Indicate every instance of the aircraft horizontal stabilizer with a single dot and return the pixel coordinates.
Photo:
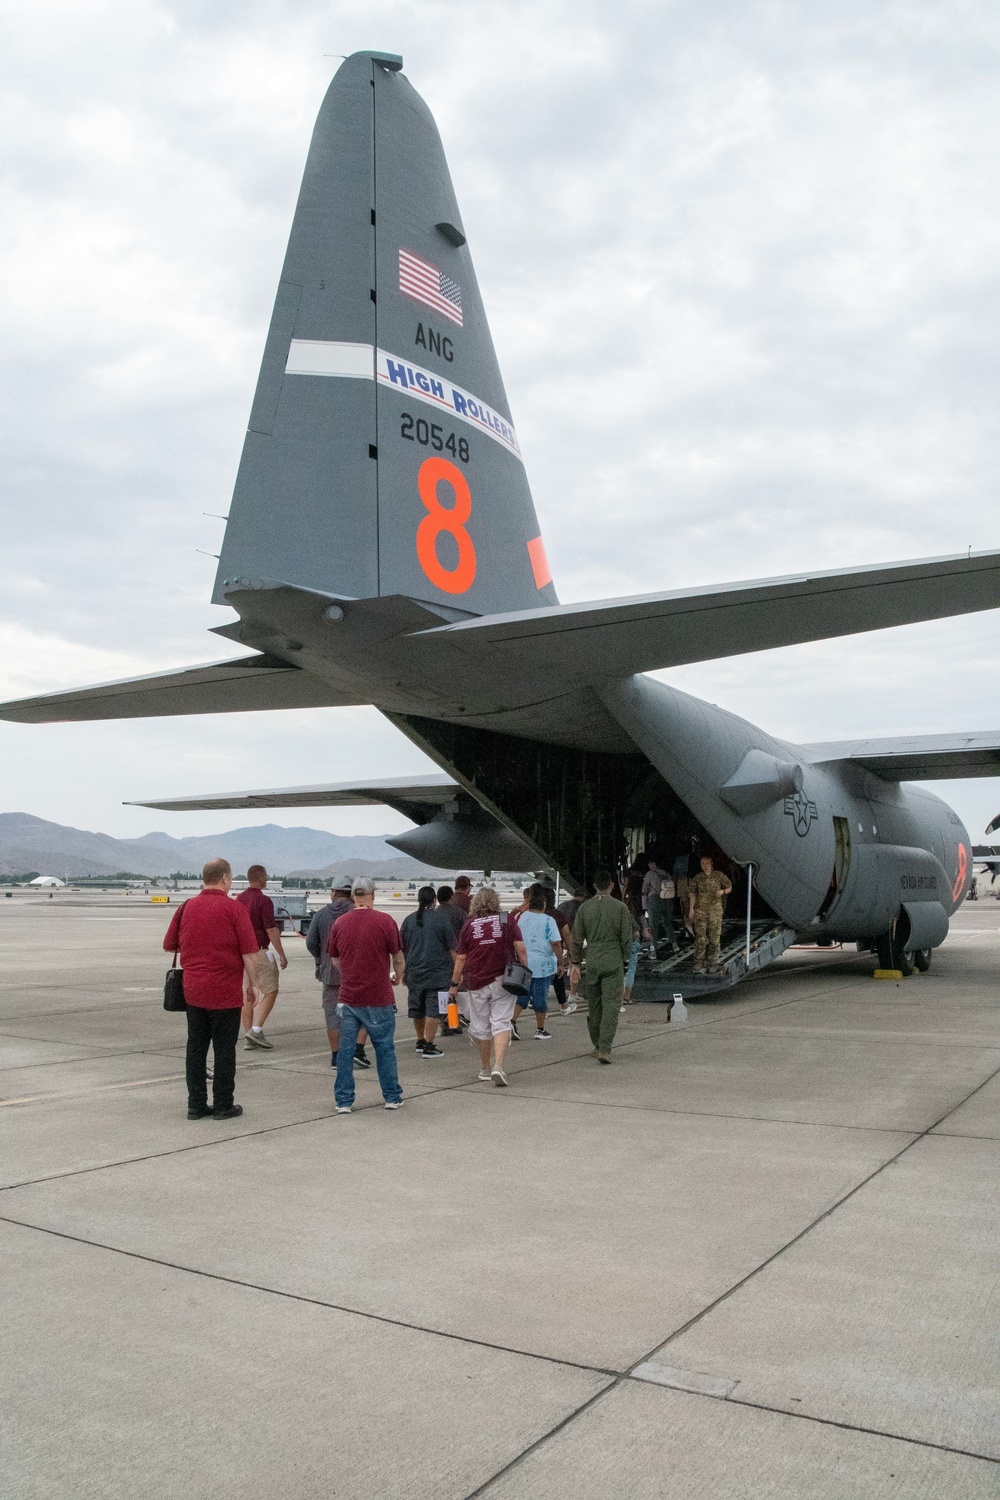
(621, 636)
(246, 684)
(918, 757)
(418, 798)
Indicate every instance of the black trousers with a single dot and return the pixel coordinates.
(221, 1030)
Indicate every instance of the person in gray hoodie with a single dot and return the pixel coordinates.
(328, 969)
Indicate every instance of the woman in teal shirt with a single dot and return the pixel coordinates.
(540, 934)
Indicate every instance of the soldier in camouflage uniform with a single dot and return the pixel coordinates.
(705, 893)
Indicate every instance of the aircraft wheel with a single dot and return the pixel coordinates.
(922, 958)
(889, 954)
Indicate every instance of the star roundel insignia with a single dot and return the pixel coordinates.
(802, 811)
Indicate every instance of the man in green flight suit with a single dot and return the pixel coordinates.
(705, 893)
(604, 926)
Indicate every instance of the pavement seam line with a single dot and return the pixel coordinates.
(519, 1458)
(270, 1291)
(623, 1379)
(820, 1218)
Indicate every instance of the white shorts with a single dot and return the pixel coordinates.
(491, 1011)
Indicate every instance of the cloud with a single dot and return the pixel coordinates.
(741, 267)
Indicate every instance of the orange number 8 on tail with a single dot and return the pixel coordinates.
(435, 471)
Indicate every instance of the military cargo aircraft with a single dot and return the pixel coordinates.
(382, 478)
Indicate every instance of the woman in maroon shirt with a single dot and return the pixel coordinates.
(489, 941)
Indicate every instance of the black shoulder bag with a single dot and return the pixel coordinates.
(516, 979)
(173, 985)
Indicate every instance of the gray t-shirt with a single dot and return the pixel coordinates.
(428, 945)
(456, 915)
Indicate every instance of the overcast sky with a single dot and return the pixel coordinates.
(741, 263)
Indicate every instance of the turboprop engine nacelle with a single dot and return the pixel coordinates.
(455, 843)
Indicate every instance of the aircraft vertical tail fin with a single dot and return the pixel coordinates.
(381, 457)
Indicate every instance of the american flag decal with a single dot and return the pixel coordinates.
(426, 284)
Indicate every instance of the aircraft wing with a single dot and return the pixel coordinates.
(248, 683)
(920, 757)
(418, 798)
(618, 637)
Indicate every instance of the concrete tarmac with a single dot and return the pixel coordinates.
(756, 1257)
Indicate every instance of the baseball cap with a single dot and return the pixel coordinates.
(363, 886)
(342, 883)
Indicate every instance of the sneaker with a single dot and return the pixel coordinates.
(567, 1010)
(333, 1059)
(543, 1035)
(361, 1058)
(249, 1045)
(344, 1109)
(484, 1077)
(499, 1078)
(394, 1104)
(200, 1114)
(514, 1031)
(431, 1051)
(421, 1044)
(261, 1040)
(603, 1057)
(227, 1114)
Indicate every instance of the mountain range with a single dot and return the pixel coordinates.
(29, 843)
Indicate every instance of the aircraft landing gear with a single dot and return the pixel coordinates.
(889, 953)
(922, 958)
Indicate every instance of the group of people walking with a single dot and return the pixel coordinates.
(456, 954)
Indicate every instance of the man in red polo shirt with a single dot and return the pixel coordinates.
(217, 946)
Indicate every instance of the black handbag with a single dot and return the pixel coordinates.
(516, 978)
(173, 985)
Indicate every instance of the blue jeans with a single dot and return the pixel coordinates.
(538, 999)
(380, 1023)
(630, 972)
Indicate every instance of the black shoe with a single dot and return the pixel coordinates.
(420, 1045)
(333, 1059)
(361, 1060)
(431, 1051)
(227, 1114)
(198, 1114)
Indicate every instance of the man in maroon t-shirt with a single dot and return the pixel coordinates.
(262, 989)
(365, 941)
(463, 892)
(217, 946)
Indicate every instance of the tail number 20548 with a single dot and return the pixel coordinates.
(435, 472)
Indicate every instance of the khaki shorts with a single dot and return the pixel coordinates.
(265, 980)
(491, 1010)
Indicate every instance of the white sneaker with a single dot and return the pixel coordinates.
(567, 1010)
(499, 1078)
(485, 1075)
(397, 1104)
(344, 1109)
